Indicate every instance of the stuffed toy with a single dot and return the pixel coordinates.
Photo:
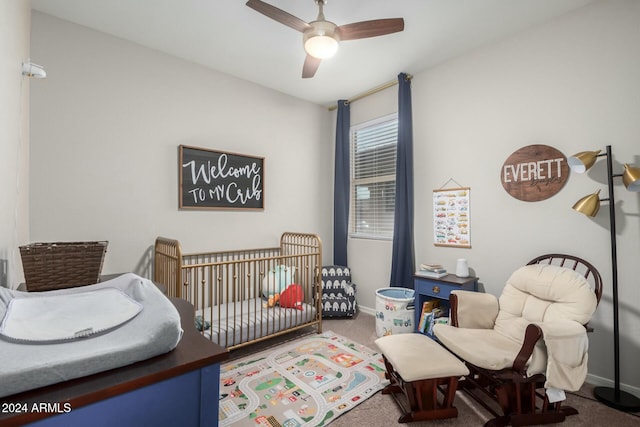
(201, 324)
(273, 300)
(277, 280)
(292, 297)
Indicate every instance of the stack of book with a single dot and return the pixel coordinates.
(427, 313)
(431, 314)
(431, 270)
(438, 315)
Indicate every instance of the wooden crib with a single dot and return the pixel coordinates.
(230, 289)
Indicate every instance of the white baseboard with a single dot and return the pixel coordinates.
(367, 310)
(605, 382)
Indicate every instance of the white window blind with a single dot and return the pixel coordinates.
(373, 177)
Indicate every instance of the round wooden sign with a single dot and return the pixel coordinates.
(534, 173)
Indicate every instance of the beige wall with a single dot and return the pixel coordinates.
(572, 84)
(14, 138)
(105, 133)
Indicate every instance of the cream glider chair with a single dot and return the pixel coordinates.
(527, 347)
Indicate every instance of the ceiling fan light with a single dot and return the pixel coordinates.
(321, 47)
(321, 39)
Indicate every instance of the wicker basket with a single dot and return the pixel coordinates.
(61, 265)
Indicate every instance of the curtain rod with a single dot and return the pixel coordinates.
(371, 91)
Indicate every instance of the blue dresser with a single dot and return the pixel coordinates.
(427, 288)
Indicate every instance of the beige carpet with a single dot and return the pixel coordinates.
(381, 411)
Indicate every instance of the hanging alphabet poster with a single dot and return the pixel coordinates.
(219, 180)
(451, 226)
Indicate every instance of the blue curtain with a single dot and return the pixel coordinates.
(402, 263)
(342, 180)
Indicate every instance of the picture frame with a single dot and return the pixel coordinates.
(451, 217)
(213, 179)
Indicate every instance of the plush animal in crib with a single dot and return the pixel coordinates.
(277, 280)
(273, 300)
(292, 297)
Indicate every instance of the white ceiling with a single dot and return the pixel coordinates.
(228, 36)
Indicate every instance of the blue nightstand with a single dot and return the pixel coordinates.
(427, 288)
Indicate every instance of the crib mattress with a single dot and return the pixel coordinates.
(154, 330)
(243, 321)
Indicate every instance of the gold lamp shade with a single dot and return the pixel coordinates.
(588, 205)
(631, 178)
(582, 161)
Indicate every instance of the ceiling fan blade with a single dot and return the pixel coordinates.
(278, 15)
(364, 29)
(310, 66)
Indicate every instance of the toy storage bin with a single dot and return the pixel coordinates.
(394, 311)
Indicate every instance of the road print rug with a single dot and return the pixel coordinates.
(307, 382)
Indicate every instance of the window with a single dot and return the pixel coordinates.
(373, 177)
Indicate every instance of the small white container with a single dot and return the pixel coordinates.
(462, 268)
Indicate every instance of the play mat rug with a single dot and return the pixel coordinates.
(306, 382)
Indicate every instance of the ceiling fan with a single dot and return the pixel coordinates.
(321, 37)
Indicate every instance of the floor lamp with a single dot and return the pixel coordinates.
(589, 205)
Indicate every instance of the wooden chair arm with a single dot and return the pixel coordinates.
(532, 334)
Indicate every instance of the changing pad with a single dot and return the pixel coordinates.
(31, 364)
(65, 317)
